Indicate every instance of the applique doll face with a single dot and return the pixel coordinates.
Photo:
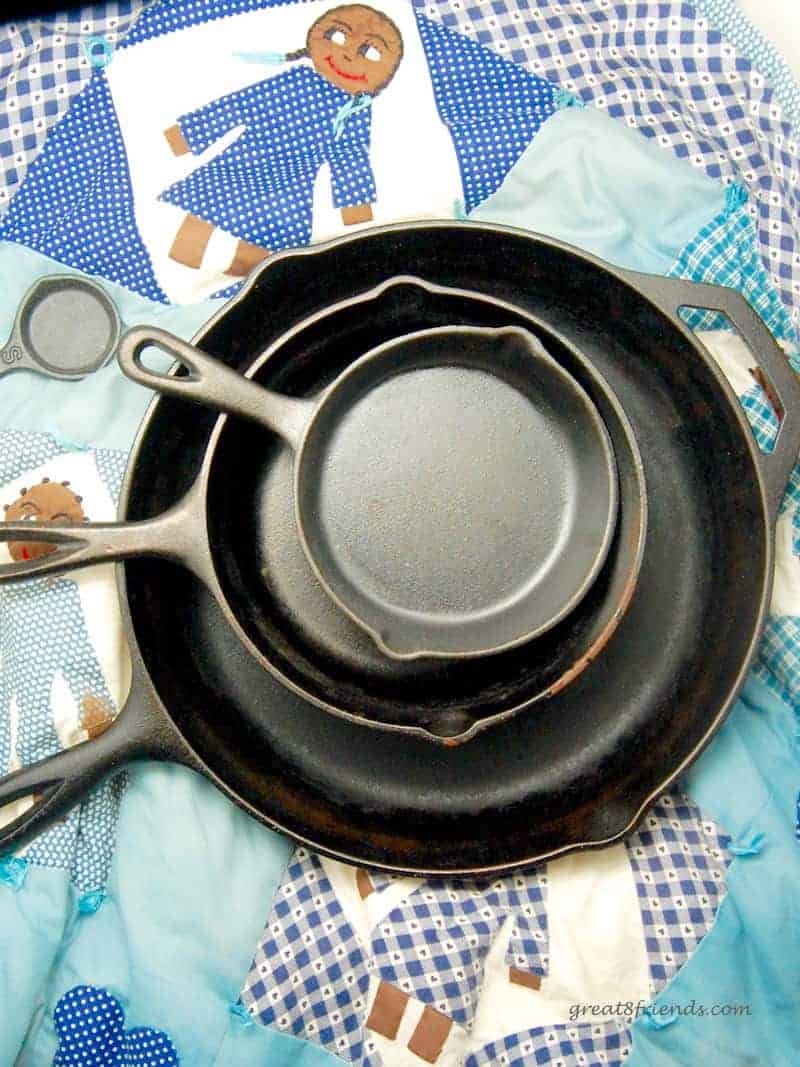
(355, 48)
(46, 502)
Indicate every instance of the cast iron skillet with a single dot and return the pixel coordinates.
(454, 488)
(582, 770)
(239, 512)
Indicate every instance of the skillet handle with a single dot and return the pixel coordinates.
(212, 384)
(177, 534)
(140, 730)
(671, 294)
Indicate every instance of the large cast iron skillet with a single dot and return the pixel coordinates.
(583, 768)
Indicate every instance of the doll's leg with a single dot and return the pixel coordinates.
(246, 257)
(191, 241)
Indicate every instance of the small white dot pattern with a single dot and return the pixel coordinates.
(89, 1023)
(261, 188)
(43, 633)
(76, 204)
(492, 107)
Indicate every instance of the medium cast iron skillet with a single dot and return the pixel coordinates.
(240, 510)
(580, 771)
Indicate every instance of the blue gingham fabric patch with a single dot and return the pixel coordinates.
(667, 72)
(680, 861)
(43, 65)
(763, 420)
(310, 974)
(582, 1045)
(779, 656)
(730, 20)
(318, 959)
(433, 946)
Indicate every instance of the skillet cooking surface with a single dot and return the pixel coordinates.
(287, 615)
(579, 768)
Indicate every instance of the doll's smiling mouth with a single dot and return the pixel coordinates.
(344, 74)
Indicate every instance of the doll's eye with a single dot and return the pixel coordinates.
(336, 35)
(62, 516)
(29, 516)
(370, 52)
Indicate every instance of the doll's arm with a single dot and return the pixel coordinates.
(353, 183)
(196, 130)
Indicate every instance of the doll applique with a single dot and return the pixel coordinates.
(43, 634)
(260, 189)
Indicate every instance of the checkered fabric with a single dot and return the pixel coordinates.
(779, 655)
(671, 75)
(434, 945)
(381, 880)
(580, 1045)
(679, 861)
(763, 420)
(311, 972)
(43, 66)
(310, 975)
(728, 18)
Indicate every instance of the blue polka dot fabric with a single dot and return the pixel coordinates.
(76, 204)
(261, 188)
(90, 1025)
(42, 635)
(492, 107)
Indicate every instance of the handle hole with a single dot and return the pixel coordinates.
(738, 363)
(157, 363)
(14, 809)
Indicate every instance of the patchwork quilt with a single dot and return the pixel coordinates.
(166, 149)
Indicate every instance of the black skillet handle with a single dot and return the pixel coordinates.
(60, 782)
(211, 383)
(177, 534)
(671, 294)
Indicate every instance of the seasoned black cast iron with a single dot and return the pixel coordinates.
(583, 768)
(455, 489)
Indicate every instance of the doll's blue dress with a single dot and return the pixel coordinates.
(261, 187)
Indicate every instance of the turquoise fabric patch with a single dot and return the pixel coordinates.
(738, 992)
(33, 922)
(589, 180)
(191, 881)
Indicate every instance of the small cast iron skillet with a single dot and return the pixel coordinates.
(583, 769)
(239, 513)
(455, 490)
